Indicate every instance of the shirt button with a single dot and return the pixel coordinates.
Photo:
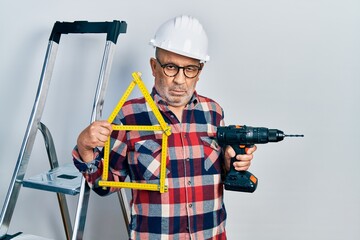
(190, 205)
(188, 159)
(189, 182)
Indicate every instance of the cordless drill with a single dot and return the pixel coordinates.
(240, 138)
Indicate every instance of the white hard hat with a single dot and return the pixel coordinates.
(183, 35)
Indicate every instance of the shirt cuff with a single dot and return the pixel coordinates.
(86, 167)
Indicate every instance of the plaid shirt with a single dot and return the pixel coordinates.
(193, 206)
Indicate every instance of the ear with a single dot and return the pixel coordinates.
(153, 66)
(198, 76)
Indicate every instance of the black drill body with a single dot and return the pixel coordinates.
(240, 138)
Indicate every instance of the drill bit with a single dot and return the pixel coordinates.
(293, 135)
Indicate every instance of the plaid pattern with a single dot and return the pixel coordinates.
(193, 207)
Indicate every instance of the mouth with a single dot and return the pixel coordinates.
(177, 92)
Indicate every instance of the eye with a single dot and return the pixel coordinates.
(192, 68)
(171, 67)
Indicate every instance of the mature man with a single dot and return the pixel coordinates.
(193, 206)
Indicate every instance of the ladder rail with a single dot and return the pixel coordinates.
(102, 81)
(28, 140)
(81, 210)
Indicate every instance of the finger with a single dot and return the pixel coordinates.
(242, 168)
(104, 131)
(106, 125)
(244, 157)
(103, 123)
(242, 165)
(100, 127)
(251, 149)
(229, 152)
(102, 138)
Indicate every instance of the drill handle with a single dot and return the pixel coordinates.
(242, 181)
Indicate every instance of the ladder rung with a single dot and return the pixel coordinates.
(64, 179)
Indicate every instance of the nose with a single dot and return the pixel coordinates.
(180, 78)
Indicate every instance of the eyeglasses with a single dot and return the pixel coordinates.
(171, 70)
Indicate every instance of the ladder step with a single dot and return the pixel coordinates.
(64, 179)
(21, 236)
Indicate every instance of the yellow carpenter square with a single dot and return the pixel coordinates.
(106, 163)
(163, 164)
(161, 127)
(134, 127)
(140, 186)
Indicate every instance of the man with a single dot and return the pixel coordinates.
(193, 206)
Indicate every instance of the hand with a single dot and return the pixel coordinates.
(244, 160)
(95, 135)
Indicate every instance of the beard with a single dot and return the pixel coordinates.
(177, 98)
(177, 95)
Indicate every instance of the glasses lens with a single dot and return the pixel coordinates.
(191, 71)
(171, 70)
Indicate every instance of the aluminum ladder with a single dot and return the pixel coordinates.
(61, 179)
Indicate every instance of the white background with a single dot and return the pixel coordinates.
(291, 65)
